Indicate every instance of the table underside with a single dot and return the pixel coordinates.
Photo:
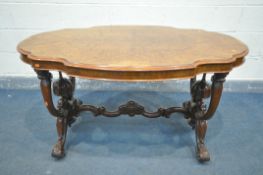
(68, 108)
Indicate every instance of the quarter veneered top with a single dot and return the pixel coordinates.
(133, 48)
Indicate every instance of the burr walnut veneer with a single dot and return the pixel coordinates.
(132, 53)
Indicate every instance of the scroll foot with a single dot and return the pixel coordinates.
(58, 149)
(201, 150)
(202, 153)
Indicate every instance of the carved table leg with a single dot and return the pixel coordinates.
(199, 115)
(65, 89)
(58, 149)
(201, 123)
(67, 106)
(200, 131)
(45, 85)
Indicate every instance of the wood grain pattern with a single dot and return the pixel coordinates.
(133, 52)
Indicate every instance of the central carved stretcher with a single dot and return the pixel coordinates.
(74, 55)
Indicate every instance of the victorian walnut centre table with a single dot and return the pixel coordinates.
(132, 53)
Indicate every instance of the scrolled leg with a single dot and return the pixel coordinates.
(218, 80)
(201, 90)
(45, 85)
(67, 106)
(58, 149)
(65, 89)
(200, 131)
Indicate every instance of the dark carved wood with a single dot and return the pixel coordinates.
(200, 131)
(45, 85)
(68, 108)
(201, 90)
(216, 91)
(132, 108)
(58, 149)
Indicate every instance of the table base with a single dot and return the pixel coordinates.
(69, 108)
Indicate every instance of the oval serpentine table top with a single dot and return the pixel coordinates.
(133, 52)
